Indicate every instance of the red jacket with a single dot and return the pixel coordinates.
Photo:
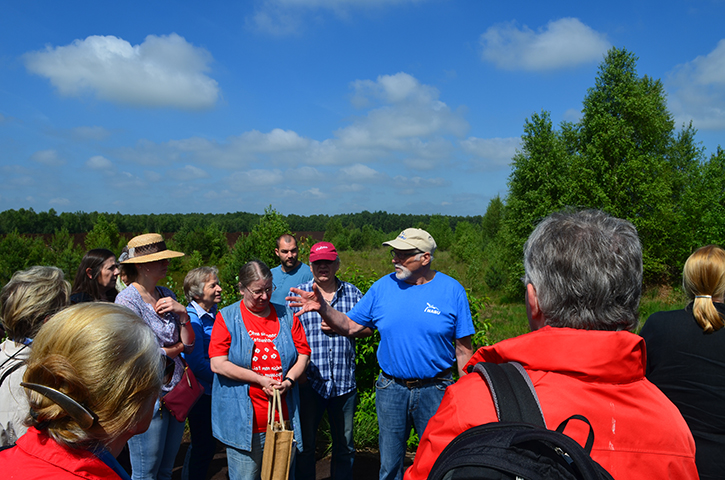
(638, 432)
(36, 456)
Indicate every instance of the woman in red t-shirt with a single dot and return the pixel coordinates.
(260, 320)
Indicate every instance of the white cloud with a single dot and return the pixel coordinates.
(163, 71)
(48, 158)
(60, 201)
(285, 17)
(99, 162)
(494, 152)
(359, 173)
(410, 121)
(572, 115)
(697, 90)
(90, 133)
(256, 179)
(566, 42)
(189, 172)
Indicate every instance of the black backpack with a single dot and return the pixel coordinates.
(518, 446)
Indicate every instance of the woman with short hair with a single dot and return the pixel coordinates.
(256, 347)
(202, 289)
(92, 379)
(686, 356)
(30, 298)
(95, 279)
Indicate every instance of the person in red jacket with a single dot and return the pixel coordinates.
(93, 377)
(583, 285)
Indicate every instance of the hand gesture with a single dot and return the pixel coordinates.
(306, 301)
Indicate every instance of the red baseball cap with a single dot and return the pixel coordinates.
(323, 251)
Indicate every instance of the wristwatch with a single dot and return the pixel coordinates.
(292, 382)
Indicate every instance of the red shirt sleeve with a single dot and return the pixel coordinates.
(299, 337)
(221, 339)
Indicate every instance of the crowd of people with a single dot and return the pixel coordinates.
(88, 372)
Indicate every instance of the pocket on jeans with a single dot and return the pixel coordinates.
(383, 382)
(443, 384)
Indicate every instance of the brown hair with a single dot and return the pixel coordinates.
(704, 274)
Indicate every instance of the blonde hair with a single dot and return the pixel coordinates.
(30, 297)
(104, 357)
(702, 278)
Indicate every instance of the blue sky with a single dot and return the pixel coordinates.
(316, 106)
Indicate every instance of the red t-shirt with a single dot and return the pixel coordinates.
(265, 359)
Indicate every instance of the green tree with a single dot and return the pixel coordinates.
(103, 235)
(18, 252)
(259, 244)
(622, 157)
(440, 229)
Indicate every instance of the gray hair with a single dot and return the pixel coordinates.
(195, 280)
(31, 297)
(252, 271)
(586, 267)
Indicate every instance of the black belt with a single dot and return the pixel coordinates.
(418, 382)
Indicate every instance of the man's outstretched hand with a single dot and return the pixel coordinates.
(306, 301)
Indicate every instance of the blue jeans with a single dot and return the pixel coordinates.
(203, 444)
(341, 415)
(244, 465)
(154, 451)
(398, 409)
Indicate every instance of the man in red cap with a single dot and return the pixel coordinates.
(330, 384)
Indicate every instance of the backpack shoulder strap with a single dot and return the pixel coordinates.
(512, 391)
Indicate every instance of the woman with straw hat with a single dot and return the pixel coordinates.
(153, 453)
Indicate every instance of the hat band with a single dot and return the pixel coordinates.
(142, 250)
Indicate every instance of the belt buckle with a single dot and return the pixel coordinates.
(414, 383)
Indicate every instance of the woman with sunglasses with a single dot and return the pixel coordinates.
(256, 347)
(92, 379)
(153, 453)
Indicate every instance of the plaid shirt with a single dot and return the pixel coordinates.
(331, 371)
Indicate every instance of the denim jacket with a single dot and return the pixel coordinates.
(231, 407)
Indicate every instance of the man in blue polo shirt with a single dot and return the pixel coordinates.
(330, 385)
(425, 326)
(290, 272)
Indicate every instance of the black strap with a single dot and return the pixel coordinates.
(590, 438)
(10, 370)
(513, 393)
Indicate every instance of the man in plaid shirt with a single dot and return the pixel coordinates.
(330, 382)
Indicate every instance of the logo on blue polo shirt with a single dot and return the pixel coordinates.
(432, 309)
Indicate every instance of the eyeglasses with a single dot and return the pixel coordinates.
(404, 255)
(258, 293)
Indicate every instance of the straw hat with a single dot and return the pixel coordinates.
(149, 248)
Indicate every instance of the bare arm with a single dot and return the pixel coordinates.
(337, 321)
(169, 305)
(174, 350)
(464, 352)
(294, 373)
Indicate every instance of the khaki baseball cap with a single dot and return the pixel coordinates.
(413, 238)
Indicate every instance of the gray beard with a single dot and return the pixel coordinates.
(402, 273)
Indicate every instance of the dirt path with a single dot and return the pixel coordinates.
(367, 465)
